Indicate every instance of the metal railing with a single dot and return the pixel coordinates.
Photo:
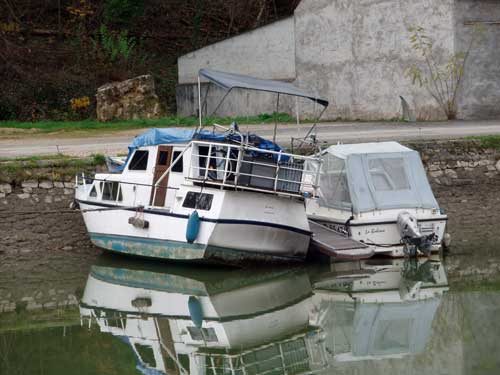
(289, 356)
(246, 167)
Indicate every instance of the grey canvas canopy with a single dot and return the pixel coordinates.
(373, 176)
(229, 81)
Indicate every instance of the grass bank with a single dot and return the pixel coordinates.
(488, 141)
(69, 126)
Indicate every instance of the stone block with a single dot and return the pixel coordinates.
(27, 190)
(68, 191)
(23, 196)
(69, 185)
(46, 185)
(497, 165)
(450, 173)
(48, 199)
(29, 184)
(2, 195)
(5, 188)
(435, 174)
(58, 184)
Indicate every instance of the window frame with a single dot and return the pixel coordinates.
(146, 152)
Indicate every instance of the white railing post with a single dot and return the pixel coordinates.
(207, 159)
(228, 153)
(277, 172)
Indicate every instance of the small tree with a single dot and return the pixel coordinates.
(442, 81)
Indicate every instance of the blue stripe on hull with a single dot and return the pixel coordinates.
(149, 247)
(165, 249)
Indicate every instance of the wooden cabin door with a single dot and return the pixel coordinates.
(163, 161)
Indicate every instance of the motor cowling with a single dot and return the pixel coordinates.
(411, 236)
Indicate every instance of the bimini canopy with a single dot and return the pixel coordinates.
(374, 176)
(169, 136)
(229, 81)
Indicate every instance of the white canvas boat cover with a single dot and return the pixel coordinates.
(228, 81)
(373, 176)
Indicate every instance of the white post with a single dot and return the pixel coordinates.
(199, 102)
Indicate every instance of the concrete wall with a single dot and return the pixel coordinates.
(480, 95)
(267, 52)
(356, 53)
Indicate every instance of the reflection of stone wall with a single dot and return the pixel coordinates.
(44, 249)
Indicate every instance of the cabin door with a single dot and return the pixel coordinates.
(163, 161)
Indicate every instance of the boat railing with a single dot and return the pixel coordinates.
(295, 355)
(245, 167)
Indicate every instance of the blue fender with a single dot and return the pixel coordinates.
(195, 311)
(193, 227)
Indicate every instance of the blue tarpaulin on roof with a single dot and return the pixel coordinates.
(168, 136)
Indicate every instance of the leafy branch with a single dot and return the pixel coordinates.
(442, 81)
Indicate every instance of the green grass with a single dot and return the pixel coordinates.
(488, 141)
(56, 126)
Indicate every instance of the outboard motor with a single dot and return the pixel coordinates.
(411, 236)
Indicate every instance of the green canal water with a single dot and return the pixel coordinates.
(116, 315)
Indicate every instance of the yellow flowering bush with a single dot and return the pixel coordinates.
(83, 10)
(80, 103)
(10, 27)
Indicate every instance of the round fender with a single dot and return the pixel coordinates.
(195, 311)
(193, 227)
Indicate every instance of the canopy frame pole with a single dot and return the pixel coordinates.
(220, 103)
(205, 101)
(315, 123)
(199, 103)
(276, 118)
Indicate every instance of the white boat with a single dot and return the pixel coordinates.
(204, 195)
(199, 321)
(378, 194)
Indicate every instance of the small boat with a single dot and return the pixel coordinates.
(378, 194)
(210, 195)
(378, 308)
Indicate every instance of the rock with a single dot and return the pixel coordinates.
(46, 185)
(27, 190)
(435, 174)
(23, 196)
(2, 195)
(131, 99)
(5, 188)
(68, 191)
(29, 184)
(59, 184)
(497, 166)
(69, 185)
(48, 199)
(450, 173)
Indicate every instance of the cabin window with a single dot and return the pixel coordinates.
(139, 161)
(199, 201)
(388, 174)
(334, 189)
(111, 191)
(93, 192)
(202, 334)
(146, 354)
(178, 167)
(163, 158)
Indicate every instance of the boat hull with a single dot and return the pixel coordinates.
(228, 241)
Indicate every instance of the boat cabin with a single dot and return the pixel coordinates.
(161, 161)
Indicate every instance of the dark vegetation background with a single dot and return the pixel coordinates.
(55, 53)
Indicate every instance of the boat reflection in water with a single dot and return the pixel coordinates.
(192, 320)
(378, 309)
(198, 320)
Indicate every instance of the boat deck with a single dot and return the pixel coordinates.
(336, 245)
